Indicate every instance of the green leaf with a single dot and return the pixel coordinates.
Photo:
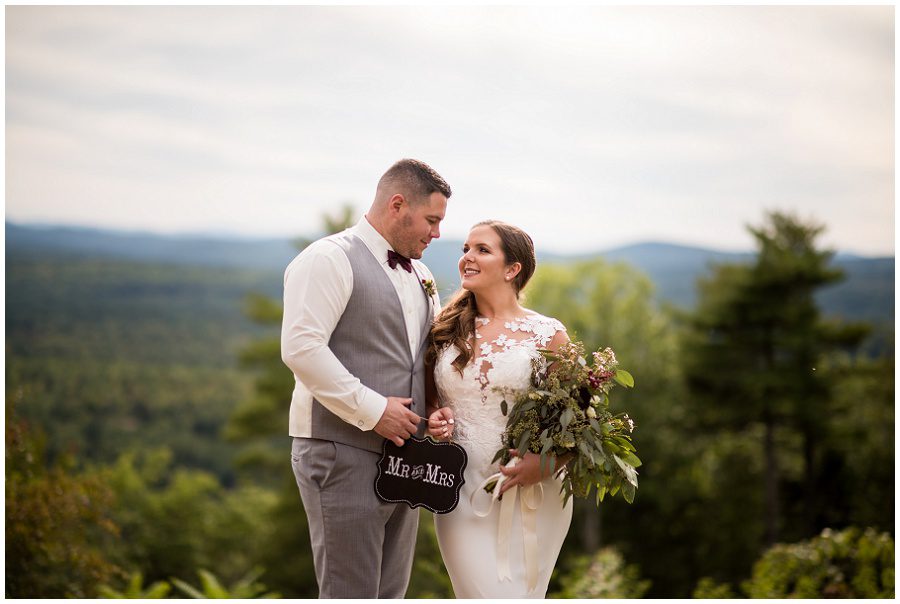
(187, 588)
(566, 418)
(629, 471)
(211, 586)
(631, 459)
(548, 444)
(503, 407)
(157, 591)
(546, 462)
(628, 492)
(611, 447)
(623, 442)
(523, 443)
(624, 378)
(582, 446)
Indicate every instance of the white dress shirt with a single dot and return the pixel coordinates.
(317, 286)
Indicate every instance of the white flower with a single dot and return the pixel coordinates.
(591, 412)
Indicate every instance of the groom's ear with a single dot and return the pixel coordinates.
(395, 203)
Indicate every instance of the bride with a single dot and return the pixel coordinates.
(484, 340)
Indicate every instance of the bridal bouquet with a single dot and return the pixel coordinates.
(565, 413)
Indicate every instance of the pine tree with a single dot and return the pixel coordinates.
(755, 343)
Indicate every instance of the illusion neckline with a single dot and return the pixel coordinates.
(489, 319)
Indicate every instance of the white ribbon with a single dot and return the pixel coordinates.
(530, 502)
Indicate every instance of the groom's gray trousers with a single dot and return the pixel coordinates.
(362, 547)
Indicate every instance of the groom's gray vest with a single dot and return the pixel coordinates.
(370, 340)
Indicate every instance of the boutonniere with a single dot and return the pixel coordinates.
(428, 284)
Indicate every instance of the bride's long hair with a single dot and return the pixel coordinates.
(456, 322)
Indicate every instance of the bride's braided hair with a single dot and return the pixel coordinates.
(456, 322)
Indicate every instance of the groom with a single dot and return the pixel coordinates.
(356, 321)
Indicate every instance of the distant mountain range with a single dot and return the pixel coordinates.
(867, 293)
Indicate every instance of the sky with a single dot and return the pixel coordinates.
(589, 127)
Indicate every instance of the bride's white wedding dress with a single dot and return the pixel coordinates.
(484, 559)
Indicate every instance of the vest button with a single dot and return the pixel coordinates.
(359, 423)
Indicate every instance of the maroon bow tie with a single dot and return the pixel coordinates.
(394, 259)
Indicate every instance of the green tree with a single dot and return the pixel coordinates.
(855, 483)
(58, 524)
(755, 347)
(172, 518)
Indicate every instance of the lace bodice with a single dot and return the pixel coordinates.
(503, 361)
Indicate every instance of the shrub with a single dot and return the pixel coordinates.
(847, 564)
(602, 575)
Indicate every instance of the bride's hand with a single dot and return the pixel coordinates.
(441, 424)
(527, 471)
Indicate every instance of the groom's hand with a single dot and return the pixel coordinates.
(397, 423)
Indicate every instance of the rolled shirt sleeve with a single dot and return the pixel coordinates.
(317, 286)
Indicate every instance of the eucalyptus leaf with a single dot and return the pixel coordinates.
(523, 443)
(630, 472)
(631, 459)
(566, 418)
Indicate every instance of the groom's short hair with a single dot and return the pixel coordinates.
(413, 178)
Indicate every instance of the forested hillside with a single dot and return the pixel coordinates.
(108, 355)
(146, 423)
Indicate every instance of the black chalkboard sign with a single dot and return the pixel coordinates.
(422, 472)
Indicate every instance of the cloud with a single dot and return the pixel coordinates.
(591, 126)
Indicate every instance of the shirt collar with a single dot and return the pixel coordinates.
(377, 244)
